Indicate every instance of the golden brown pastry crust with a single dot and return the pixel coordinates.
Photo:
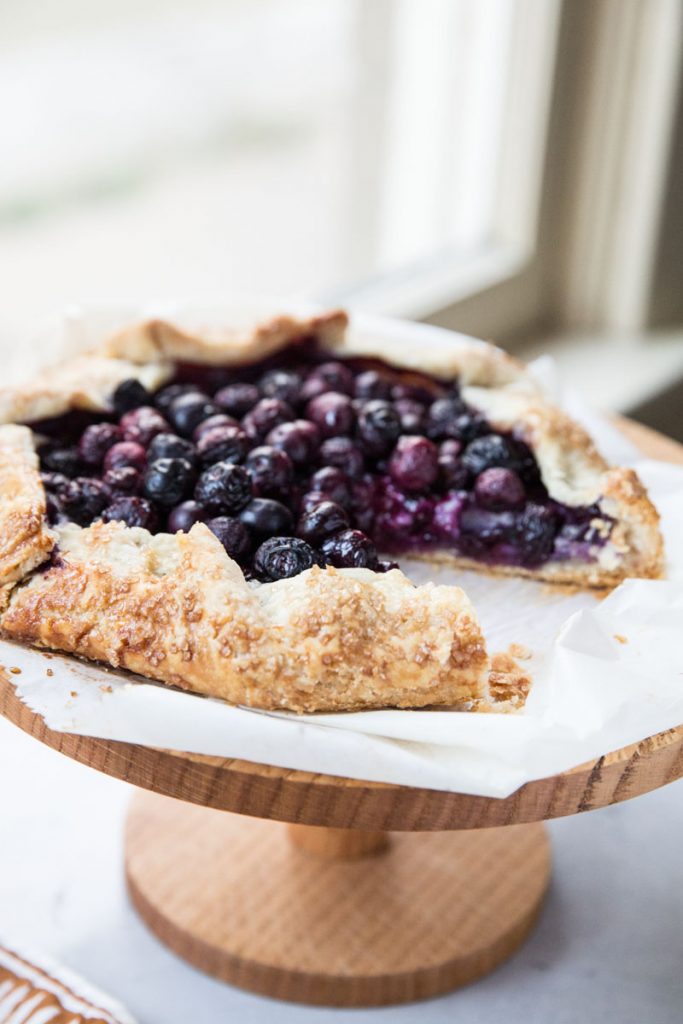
(178, 609)
(25, 537)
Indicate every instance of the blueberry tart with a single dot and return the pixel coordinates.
(224, 508)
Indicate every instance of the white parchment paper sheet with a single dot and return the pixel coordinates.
(605, 674)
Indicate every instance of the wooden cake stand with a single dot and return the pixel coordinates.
(331, 908)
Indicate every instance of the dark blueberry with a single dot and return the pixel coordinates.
(411, 414)
(221, 419)
(414, 463)
(223, 444)
(344, 454)
(350, 549)
(223, 487)
(486, 526)
(271, 471)
(167, 481)
(332, 413)
(53, 481)
(282, 384)
(53, 508)
(189, 410)
(125, 453)
(498, 489)
(184, 516)
(444, 418)
(237, 399)
(280, 558)
(96, 441)
(414, 391)
(311, 499)
(267, 517)
(323, 521)
(165, 398)
(378, 427)
(131, 511)
(363, 504)
(400, 514)
(335, 376)
(332, 481)
(535, 531)
(487, 451)
(453, 475)
(83, 499)
(464, 427)
(232, 534)
(371, 384)
(170, 446)
(265, 416)
(130, 394)
(123, 480)
(311, 388)
(143, 424)
(299, 440)
(62, 460)
(384, 565)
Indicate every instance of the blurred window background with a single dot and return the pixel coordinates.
(505, 167)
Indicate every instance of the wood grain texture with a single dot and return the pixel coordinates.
(235, 898)
(313, 799)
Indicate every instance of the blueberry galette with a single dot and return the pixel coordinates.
(220, 509)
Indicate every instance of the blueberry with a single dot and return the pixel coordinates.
(267, 517)
(498, 489)
(414, 463)
(371, 384)
(535, 531)
(453, 475)
(170, 446)
(363, 503)
(96, 441)
(53, 508)
(332, 481)
(350, 549)
(164, 399)
(223, 487)
(83, 499)
(411, 415)
(322, 521)
(142, 425)
(266, 414)
(125, 453)
(167, 481)
(414, 391)
(130, 394)
(486, 526)
(344, 454)
(220, 419)
(53, 482)
(487, 451)
(131, 511)
(223, 444)
(282, 384)
(332, 413)
(311, 388)
(232, 534)
(62, 460)
(184, 516)
(189, 410)
(299, 440)
(378, 427)
(271, 471)
(443, 418)
(237, 399)
(280, 558)
(464, 427)
(123, 480)
(447, 514)
(335, 376)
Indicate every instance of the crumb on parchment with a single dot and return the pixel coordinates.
(74, 693)
(620, 638)
(519, 651)
(49, 672)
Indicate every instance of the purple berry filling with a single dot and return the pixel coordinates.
(302, 460)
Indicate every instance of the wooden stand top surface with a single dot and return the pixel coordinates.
(313, 799)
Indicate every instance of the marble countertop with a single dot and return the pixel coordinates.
(608, 948)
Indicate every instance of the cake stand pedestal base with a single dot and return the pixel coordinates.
(328, 916)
